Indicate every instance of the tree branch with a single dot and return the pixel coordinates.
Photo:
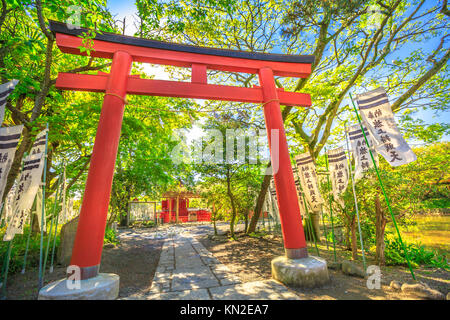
(42, 25)
(430, 73)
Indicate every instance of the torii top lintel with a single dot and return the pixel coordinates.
(198, 58)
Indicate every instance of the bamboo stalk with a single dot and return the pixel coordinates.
(41, 279)
(28, 243)
(62, 196)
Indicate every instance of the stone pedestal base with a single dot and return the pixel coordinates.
(105, 286)
(307, 272)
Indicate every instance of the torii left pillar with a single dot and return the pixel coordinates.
(88, 244)
(87, 250)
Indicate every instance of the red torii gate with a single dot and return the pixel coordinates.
(123, 50)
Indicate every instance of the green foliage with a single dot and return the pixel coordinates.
(176, 16)
(110, 237)
(410, 188)
(233, 183)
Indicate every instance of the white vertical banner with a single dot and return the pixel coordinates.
(361, 154)
(308, 179)
(377, 115)
(7, 215)
(39, 210)
(299, 191)
(337, 162)
(273, 193)
(5, 90)
(27, 187)
(39, 142)
(9, 139)
(273, 199)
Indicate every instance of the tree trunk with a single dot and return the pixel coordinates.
(315, 220)
(111, 219)
(380, 225)
(259, 203)
(246, 221)
(214, 215)
(348, 244)
(233, 207)
(35, 227)
(214, 223)
(123, 214)
(17, 163)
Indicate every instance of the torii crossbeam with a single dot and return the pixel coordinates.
(123, 50)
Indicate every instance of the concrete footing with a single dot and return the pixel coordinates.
(105, 286)
(307, 272)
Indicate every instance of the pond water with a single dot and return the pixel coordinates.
(431, 231)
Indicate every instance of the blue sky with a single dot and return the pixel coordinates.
(123, 9)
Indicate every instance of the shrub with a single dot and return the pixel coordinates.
(417, 253)
(110, 237)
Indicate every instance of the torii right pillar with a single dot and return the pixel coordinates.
(296, 268)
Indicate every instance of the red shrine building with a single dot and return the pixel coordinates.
(175, 208)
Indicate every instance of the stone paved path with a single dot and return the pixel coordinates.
(187, 270)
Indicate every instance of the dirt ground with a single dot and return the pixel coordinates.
(135, 261)
(250, 259)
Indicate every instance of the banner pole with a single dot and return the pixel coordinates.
(272, 212)
(330, 196)
(325, 228)
(5, 268)
(382, 188)
(57, 219)
(2, 218)
(356, 201)
(54, 214)
(270, 218)
(28, 242)
(41, 280)
(8, 253)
